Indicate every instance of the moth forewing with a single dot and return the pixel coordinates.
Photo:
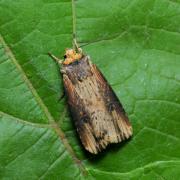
(99, 116)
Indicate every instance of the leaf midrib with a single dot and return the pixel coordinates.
(40, 102)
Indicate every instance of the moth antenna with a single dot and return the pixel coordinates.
(59, 61)
(77, 47)
(75, 44)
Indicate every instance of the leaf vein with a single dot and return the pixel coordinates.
(29, 147)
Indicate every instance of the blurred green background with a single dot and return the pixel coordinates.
(135, 43)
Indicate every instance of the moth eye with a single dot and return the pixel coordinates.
(65, 56)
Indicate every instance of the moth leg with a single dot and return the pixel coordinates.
(61, 97)
(59, 61)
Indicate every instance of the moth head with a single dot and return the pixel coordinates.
(71, 55)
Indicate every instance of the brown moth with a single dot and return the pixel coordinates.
(99, 116)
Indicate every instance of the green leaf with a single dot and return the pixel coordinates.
(135, 43)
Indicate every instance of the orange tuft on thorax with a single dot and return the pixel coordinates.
(71, 55)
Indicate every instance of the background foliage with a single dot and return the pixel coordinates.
(136, 44)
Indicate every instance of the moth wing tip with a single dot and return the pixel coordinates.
(92, 151)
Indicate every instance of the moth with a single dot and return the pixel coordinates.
(98, 114)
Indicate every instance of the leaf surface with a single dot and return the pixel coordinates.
(136, 44)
